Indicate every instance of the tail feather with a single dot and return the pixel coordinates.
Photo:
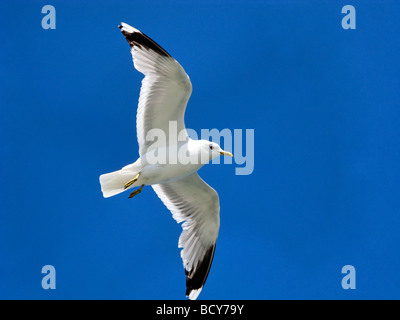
(113, 183)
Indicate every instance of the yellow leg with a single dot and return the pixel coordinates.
(134, 193)
(131, 182)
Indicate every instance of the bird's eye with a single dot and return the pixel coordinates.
(211, 147)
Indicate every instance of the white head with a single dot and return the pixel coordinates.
(210, 150)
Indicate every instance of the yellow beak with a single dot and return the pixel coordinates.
(226, 153)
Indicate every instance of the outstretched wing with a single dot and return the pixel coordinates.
(197, 204)
(165, 91)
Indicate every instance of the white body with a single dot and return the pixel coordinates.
(157, 173)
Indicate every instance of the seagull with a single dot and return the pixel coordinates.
(164, 94)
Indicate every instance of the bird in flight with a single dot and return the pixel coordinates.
(165, 91)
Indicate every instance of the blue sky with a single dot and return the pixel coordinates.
(325, 106)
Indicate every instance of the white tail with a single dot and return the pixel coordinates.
(113, 183)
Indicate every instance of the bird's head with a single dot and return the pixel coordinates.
(211, 150)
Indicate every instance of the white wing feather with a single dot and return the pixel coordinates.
(197, 204)
(165, 89)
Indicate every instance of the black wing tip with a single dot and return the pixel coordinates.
(139, 39)
(196, 279)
